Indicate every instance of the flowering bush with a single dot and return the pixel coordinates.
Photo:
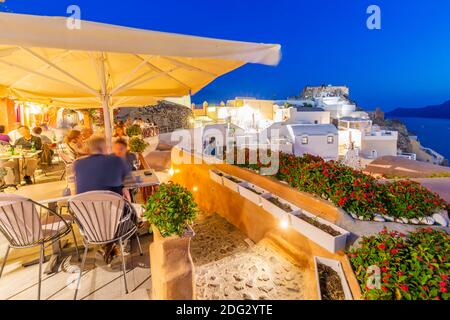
(394, 266)
(355, 191)
(410, 200)
(171, 208)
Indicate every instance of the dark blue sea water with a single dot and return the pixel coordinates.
(432, 133)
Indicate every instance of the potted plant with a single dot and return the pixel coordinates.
(133, 130)
(331, 281)
(321, 231)
(170, 211)
(137, 145)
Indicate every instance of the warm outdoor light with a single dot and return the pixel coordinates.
(195, 189)
(285, 221)
(171, 172)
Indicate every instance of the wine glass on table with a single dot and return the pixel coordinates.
(136, 164)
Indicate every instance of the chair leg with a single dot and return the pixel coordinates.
(123, 266)
(41, 262)
(139, 244)
(4, 260)
(76, 244)
(81, 271)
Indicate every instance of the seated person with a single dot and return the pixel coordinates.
(76, 144)
(14, 134)
(4, 137)
(47, 152)
(100, 171)
(86, 133)
(28, 142)
(119, 133)
(37, 132)
(120, 149)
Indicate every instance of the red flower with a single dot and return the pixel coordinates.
(384, 289)
(442, 284)
(444, 277)
(443, 290)
(394, 251)
(404, 287)
(399, 273)
(384, 269)
(382, 246)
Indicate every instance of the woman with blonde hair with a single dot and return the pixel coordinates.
(76, 144)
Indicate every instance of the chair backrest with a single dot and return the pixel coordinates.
(98, 214)
(67, 159)
(20, 221)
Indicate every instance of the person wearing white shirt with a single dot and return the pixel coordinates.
(14, 135)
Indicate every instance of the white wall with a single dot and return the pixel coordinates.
(317, 145)
(308, 117)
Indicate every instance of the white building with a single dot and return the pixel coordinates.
(299, 139)
(337, 106)
(307, 115)
(370, 141)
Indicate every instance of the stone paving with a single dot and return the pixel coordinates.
(229, 266)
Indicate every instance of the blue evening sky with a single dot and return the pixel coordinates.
(405, 64)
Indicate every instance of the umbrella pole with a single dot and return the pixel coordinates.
(107, 121)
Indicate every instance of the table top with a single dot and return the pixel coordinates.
(141, 180)
(52, 191)
(8, 156)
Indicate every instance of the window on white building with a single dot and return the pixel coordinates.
(330, 139)
(304, 140)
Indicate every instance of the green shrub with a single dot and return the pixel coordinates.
(137, 145)
(133, 131)
(171, 209)
(411, 267)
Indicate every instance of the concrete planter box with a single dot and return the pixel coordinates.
(322, 238)
(336, 266)
(172, 267)
(231, 184)
(274, 209)
(215, 176)
(250, 195)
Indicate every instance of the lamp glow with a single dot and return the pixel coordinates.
(285, 222)
(195, 189)
(171, 172)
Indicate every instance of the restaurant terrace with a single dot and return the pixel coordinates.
(108, 193)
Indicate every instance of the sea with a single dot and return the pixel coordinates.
(432, 133)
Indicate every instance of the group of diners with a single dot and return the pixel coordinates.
(23, 139)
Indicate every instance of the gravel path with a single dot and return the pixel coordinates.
(229, 266)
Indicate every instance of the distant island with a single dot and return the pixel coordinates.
(441, 111)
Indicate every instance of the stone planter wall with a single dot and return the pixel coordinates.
(172, 268)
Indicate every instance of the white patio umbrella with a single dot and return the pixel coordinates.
(101, 65)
